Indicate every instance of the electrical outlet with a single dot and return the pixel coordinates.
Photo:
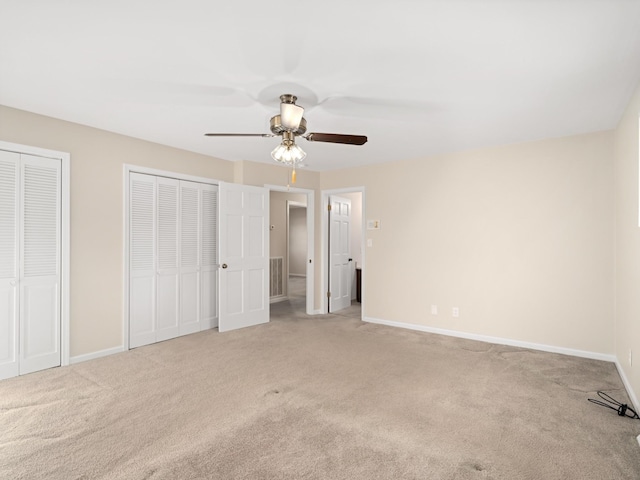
(630, 357)
(455, 311)
(434, 309)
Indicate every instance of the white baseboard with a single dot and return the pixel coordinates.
(627, 386)
(94, 355)
(281, 298)
(497, 340)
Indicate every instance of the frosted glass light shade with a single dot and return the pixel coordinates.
(290, 115)
(288, 154)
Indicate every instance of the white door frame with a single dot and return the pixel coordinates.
(127, 169)
(324, 259)
(65, 233)
(310, 239)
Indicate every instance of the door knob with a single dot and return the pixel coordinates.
(224, 265)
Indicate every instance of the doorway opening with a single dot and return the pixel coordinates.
(297, 254)
(291, 248)
(343, 251)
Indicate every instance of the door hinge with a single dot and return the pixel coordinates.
(328, 294)
(329, 207)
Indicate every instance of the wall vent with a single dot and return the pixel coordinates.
(276, 284)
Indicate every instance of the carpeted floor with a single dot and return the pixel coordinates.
(323, 397)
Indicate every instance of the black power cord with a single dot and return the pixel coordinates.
(623, 409)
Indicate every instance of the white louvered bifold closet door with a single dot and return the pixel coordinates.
(173, 287)
(198, 268)
(30, 267)
(167, 287)
(9, 326)
(142, 260)
(189, 254)
(209, 256)
(40, 263)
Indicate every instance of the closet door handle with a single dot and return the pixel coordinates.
(224, 265)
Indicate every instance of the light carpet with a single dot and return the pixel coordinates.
(324, 397)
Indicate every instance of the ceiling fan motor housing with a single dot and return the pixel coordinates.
(275, 124)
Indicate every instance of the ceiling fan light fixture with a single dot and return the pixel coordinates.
(291, 124)
(297, 153)
(278, 153)
(288, 153)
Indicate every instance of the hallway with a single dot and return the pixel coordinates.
(295, 305)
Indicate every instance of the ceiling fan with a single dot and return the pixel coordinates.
(289, 125)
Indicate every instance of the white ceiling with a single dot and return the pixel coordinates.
(417, 77)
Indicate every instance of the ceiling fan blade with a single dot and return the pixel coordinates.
(337, 138)
(239, 135)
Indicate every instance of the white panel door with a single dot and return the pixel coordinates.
(189, 256)
(339, 253)
(167, 293)
(142, 260)
(9, 325)
(209, 257)
(244, 256)
(40, 246)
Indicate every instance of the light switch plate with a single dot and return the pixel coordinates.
(373, 224)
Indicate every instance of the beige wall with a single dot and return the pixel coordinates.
(627, 323)
(97, 159)
(520, 238)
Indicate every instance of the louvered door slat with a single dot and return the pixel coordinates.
(167, 224)
(209, 256)
(41, 230)
(189, 224)
(142, 223)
